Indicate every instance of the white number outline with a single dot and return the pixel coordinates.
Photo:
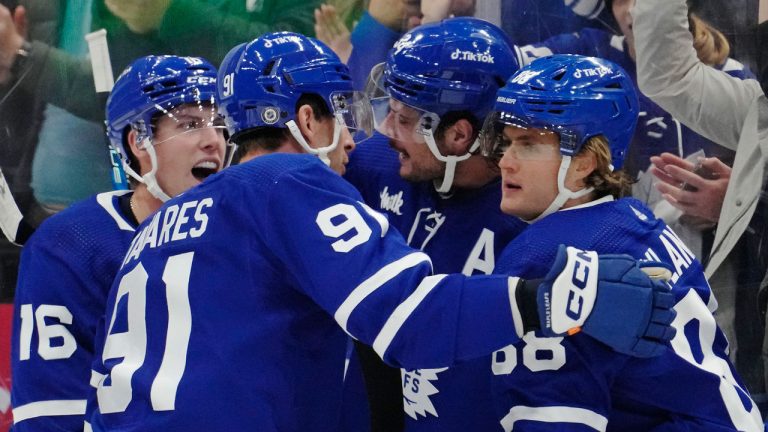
(353, 220)
(532, 345)
(46, 332)
(692, 308)
(131, 345)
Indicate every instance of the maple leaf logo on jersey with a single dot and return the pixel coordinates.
(418, 386)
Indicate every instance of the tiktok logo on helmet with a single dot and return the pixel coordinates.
(470, 56)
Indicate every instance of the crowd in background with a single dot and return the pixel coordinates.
(53, 150)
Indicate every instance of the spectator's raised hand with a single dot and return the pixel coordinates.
(13, 28)
(696, 191)
(399, 15)
(435, 10)
(331, 29)
(141, 16)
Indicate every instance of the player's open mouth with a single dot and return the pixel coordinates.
(508, 185)
(203, 169)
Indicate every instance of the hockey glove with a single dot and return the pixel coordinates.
(610, 298)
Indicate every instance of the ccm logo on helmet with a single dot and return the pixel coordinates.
(579, 280)
(471, 56)
(201, 80)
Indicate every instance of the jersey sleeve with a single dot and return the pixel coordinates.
(547, 384)
(49, 360)
(65, 272)
(344, 255)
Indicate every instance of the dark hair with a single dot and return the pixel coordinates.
(269, 138)
(450, 118)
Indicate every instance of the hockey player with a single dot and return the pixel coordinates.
(561, 127)
(423, 170)
(234, 301)
(162, 117)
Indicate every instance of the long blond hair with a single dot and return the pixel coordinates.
(603, 179)
(711, 45)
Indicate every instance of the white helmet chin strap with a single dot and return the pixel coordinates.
(149, 179)
(450, 161)
(563, 193)
(321, 152)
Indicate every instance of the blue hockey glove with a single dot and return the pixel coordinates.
(610, 298)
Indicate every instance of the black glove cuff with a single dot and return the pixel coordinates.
(526, 296)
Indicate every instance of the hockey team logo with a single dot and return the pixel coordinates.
(403, 43)
(418, 386)
(472, 56)
(391, 202)
(270, 115)
(592, 72)
(525, 76)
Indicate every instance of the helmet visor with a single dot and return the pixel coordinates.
(354, 109)
(504, 133)
(188, 118)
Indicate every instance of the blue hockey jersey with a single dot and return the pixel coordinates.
(231, 307)
(463, 232)
(657, 131)
(65, 273)
(579, 384)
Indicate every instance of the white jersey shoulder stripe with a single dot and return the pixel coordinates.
(48, 409)
(402, 312)
(105, 200)
(517, 317)
(381, 277)
(554, 414)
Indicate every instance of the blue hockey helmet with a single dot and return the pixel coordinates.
(453, 65)
(154, 86)
(575, 96)
(261, 82)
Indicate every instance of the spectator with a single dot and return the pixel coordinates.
(383, 24)
(733, 113)
(657, 130)
(61, 75)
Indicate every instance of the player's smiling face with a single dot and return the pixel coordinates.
(188, 149)
(529, 169)
(417, 163)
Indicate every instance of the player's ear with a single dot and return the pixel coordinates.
(459, 137)
(582, 165)
(305, 120)
(141, 155)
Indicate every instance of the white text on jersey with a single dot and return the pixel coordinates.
(178, 223)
